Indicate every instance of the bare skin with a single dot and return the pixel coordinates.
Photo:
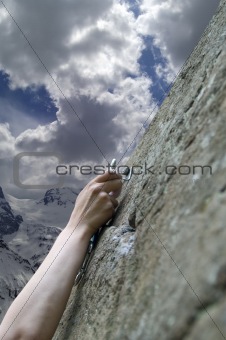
(37, 310)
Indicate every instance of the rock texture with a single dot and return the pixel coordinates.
(160, 271)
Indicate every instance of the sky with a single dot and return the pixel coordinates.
(81, 79)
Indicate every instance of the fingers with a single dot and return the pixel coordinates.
(114, 185)
(109, 183)
(107, 177)
(114, 202)
(115, 194)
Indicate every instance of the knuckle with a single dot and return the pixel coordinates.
(95, 188)
(109, 205)
(104, 196)
(110, 208)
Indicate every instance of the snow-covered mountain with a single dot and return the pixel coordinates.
(60, 197)
(15, 271)
(28, 229)
(33, 242)
(9, 223)
(52, 210)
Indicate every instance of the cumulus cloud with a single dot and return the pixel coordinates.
(91, 49)
(7, 141)
(7, 150)
(93, 55)
(86, 50)
(176, 25)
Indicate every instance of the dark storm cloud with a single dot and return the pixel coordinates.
(72, 140)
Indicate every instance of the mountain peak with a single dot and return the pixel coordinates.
(1, 193)
(9, 222)
(59, 196)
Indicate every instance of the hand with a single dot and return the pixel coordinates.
(52, 283)
(94, 206)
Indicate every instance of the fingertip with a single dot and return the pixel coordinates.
(114, 202)
(114, 175)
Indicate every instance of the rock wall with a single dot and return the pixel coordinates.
(166, 279)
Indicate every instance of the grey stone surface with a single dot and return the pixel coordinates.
(167, 278)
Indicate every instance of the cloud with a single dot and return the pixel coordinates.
(86, 44)
(48, 26)
(7, 141)
(105, 119)
(92, 50)
(7, 150)
(176, 25)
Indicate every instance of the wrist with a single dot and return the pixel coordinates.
(82, 231)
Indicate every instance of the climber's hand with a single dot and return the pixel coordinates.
(94, 206)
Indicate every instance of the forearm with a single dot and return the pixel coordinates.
(36, 312)
(38, 308)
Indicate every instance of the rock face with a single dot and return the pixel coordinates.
(166, 278)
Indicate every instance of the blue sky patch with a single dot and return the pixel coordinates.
(151, 56)
(33, 102)
(134, 7)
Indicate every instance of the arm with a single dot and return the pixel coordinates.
(37, 310)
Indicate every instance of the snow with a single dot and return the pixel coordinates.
(54, 214)
(14, 274)
(22, 251)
